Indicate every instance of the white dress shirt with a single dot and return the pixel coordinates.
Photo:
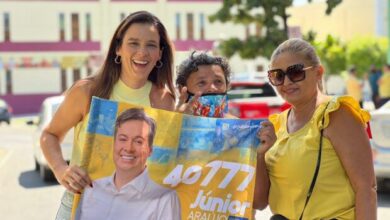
(140, 199)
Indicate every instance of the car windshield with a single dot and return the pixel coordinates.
(251, 91)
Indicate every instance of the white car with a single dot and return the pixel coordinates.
(48, 108)
(380, 143)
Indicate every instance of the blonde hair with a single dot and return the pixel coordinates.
(303, 48)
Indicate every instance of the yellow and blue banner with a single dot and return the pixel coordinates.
(210, 162)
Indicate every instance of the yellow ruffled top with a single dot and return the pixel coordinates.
(292, 160)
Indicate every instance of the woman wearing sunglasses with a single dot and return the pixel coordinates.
(320, 166)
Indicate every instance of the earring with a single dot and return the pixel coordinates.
(117, 59)
(159, 64)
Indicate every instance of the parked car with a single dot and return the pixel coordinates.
(48, 108)
(5, 112)
(254, 99)
(380, 143)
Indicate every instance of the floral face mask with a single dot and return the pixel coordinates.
(209, 105)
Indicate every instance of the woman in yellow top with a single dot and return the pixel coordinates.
(345, 187)
(137, 69)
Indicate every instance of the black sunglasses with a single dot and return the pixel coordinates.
(295, 73)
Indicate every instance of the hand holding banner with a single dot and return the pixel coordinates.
(209, 162)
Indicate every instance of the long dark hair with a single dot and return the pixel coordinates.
(109, 73)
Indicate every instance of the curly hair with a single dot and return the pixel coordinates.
(191, 64)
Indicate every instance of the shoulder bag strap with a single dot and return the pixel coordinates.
(313, 181)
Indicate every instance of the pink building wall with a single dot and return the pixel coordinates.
(25, 104)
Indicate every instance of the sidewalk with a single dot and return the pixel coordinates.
(16, 121)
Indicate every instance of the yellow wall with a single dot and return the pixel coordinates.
(349, 19)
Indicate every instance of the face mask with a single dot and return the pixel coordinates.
(209, 105)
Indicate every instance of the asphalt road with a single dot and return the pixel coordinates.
(23, 195)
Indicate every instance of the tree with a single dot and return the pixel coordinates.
(332, 52)
(361, 52)
(264, 14)
(366, 51)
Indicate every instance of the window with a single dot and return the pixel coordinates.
(8, 81)
(8, 75)
(76, 75)
(251, 91)
(63, 79)
(190, 26)
(88, 26)
(178, 24)
(75, 27)
(201, 21)
(89, 71)
(62, 27)
(7, 34)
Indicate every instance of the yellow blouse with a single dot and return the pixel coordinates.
(291, 163)
(120, 93)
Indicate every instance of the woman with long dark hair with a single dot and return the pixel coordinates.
(137, 69)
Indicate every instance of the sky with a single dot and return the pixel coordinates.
(302, 2)
(299, 2)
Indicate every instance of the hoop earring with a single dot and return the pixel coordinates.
(159, 64)
(117, 59)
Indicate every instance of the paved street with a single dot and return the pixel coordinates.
(24, 195)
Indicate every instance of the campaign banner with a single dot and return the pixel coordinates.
(209, 162)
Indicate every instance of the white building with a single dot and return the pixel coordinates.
(46, 45)
(351, 18)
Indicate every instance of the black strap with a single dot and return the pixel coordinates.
(313, 181)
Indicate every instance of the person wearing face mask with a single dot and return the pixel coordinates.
(320, 166)
(203, 81)
(137, 69)
(130, 193)
(202, 75)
